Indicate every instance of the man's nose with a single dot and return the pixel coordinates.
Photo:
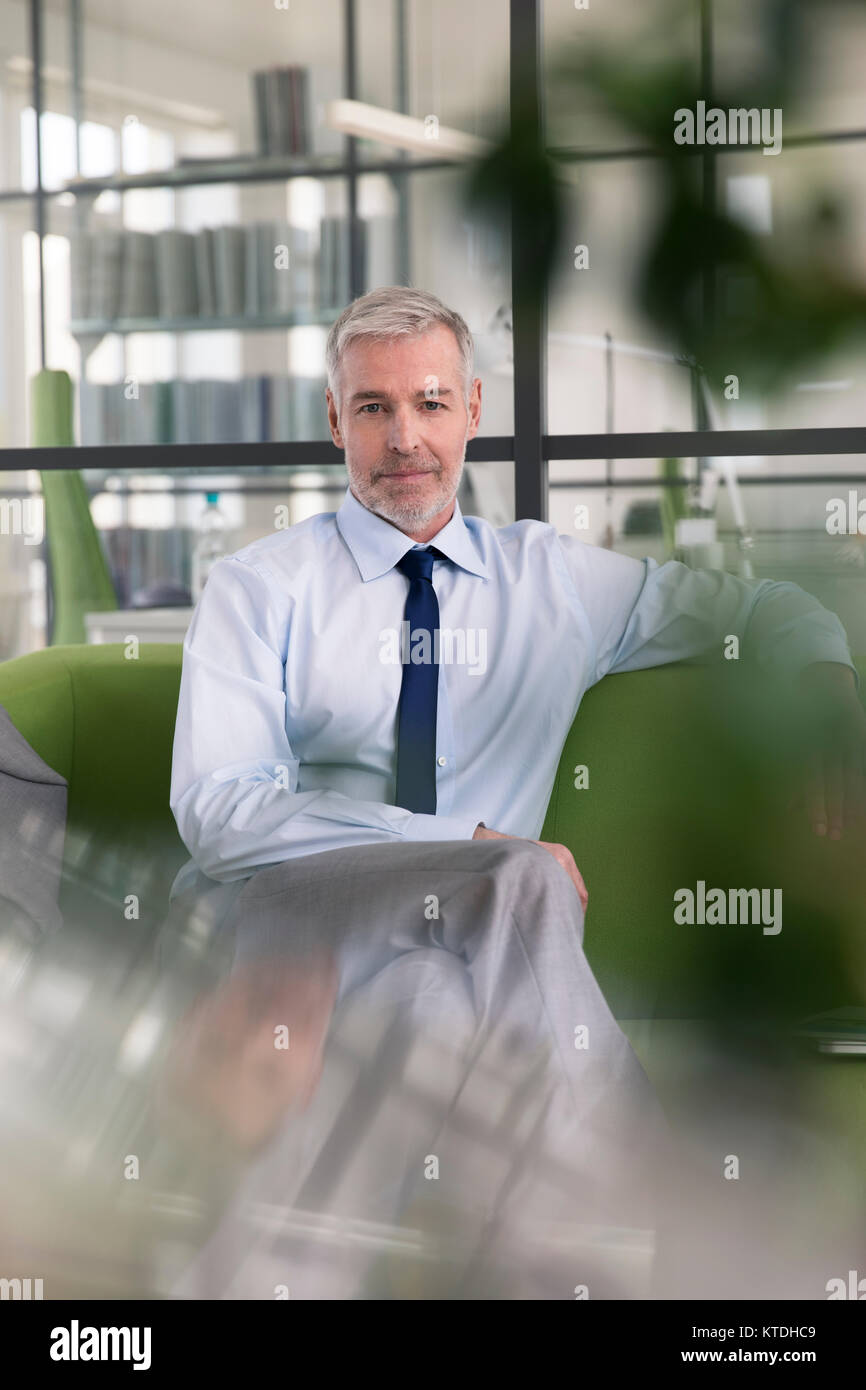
(403, 434)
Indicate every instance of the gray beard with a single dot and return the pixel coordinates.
(404, 515)
(408, 516)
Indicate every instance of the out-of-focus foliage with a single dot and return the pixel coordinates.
(716, 290)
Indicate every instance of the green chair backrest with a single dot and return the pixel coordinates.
(106, 723)
(80, 577)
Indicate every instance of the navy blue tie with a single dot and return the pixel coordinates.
(416, 718)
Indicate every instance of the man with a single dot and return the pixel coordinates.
(373, 706)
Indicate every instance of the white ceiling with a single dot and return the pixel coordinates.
(231, 31)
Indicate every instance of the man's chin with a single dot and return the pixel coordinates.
(407, 514)
(415, 516)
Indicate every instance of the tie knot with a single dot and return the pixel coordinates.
(418, 564)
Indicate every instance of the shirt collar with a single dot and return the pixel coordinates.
(377, 545)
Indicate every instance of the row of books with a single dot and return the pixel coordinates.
(257, 270)
(250, 410)
(281, 100)
(139, 556)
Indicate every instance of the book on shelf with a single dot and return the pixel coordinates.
(261, 269)
(333, 261)
(176, 284)
(254, 409)
(163, 415)
(254, 294)
(265, 275)
(104, 282)
(296, 285)
(298, 408)
(251, 409)
(229, 271)
(221, 410)
(145, 421)
(138, 296)
(281, 110)
(183, 413)
(205, 275)
(260, 110)
(282, 268)
(309, 407)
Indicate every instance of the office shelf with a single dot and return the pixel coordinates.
(82, 328)
(245, 169)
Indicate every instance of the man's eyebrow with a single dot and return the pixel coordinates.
(384, 395)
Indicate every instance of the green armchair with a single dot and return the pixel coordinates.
(666, 779)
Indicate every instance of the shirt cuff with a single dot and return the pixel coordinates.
(424, 827)
(815, 637)
(824, 647)
(836, 661)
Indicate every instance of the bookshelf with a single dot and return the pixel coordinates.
(72, 209)
(281, 122)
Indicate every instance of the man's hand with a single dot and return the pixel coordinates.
(834, 778)
(225, 1072)
(561, 853)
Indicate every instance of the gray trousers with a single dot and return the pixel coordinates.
(476, 1084)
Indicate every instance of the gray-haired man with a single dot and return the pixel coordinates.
(357, 807)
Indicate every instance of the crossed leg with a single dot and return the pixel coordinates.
(511, 916)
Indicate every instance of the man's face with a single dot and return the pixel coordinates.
(404, 424)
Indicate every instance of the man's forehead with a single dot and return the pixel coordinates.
(376, 369)
(433, 351)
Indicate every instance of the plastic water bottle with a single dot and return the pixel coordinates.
(211, 544)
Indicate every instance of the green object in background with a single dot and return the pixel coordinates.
(673, 503)
(80, 576)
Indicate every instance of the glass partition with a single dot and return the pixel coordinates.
(798, 517)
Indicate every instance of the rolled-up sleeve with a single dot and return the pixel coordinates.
(644, 614)
(234, 780)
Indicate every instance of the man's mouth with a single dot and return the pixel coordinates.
(410, 473)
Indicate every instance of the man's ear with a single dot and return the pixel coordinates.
(334, 419)
(474, 408)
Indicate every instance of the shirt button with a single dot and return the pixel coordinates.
(441, 761)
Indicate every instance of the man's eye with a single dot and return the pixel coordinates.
(373, 405)
(436, 403)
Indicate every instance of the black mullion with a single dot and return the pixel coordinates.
(399, 180)
(743, 480)
(529, 316)
(136, 458)
(350, 81)
(846, 439)
(708, 163)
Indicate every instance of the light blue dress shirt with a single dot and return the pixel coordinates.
(285, 741)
